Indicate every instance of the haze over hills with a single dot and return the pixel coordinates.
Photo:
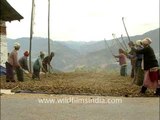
(71, 55)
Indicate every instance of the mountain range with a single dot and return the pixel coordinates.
(73, 55)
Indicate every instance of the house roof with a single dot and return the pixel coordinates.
(8, 13)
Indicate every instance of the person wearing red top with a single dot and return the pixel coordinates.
(122, 62)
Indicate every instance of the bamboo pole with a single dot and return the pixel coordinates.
(124, 42)
(109, 48)
(117, 40)
(49, 51)
(31, 36)
(115, 43)
(48, 27)
(125, 29)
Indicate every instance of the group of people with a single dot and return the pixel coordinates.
(145, 70)
(42, 63)
(20, 66)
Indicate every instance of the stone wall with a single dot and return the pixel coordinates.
(3, 44)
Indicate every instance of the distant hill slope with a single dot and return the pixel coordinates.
(70, 55)
(86, 47)
(64, 56)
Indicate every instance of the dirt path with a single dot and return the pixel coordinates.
(69, 107)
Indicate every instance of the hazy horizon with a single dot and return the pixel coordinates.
(78, 40)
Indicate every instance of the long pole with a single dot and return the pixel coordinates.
(48, 27)
(124, 42)
(116, 42)
(159, 53)
(116, 39)
(126, 29)
(31, 33)
(109, 48)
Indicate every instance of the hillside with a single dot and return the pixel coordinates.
(71, 55)
(64, 56)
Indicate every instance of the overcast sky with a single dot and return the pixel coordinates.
(85, 20)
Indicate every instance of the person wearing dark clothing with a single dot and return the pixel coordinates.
(37, 66)
(149, 57)
(23, 61)
(24, 66)
(9, 73)
(47, 62)
(132, 56)
(150, 64)
(139, 72)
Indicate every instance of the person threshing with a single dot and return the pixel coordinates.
(132, 56)
(150, 63)
(23, 61)
(47, 62)
(37, 66)
(12, 65)
(122, 62)
(139, 72)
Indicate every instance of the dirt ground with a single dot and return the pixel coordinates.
(87, 83)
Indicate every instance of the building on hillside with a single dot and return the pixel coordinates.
(7, 14)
